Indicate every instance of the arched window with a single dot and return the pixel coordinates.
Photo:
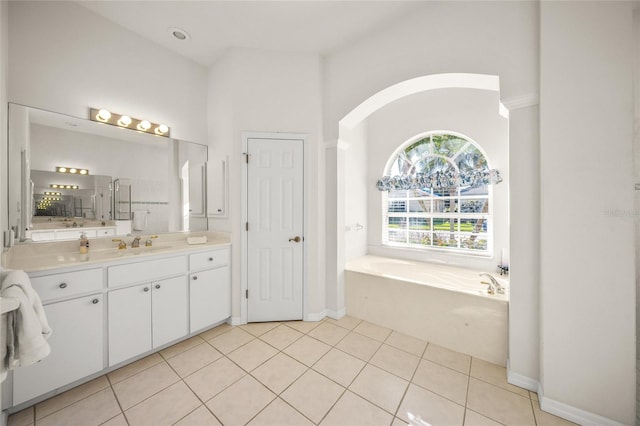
(438, 195)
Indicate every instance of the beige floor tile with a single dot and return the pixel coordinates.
(313, 395)
(410, 344)
(216, 331)
(352, 410)
(22, 418)
(134, 368)
(194, 359)
(231, 340)
(281, 336)
(471, 418)
(494, 374)
(420, 406)
(345, 322)
(452, 359)
(303, 326)
(533, 395)
(201, 416)
(499, 404)
(144, 384)
(279, 413)
(360, 346)
(210, 380)
(178, 348)
(382, 388)
(395, 361)
(67, 398)
(442, 380)
(546, 419)
(241, 401)
(372, 330)
(165, 407)
(93, 410)
(328, 333)
(399, 422)
(118, 420)
(259, 328)
(252, 354)
(307, 350)
(339, 366)
(279, 372)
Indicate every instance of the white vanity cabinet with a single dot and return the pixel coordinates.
(77, 348)
(209, 288)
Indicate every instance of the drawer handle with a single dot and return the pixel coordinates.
(195, 277)
(95, 301)
(63, 285)
(157, 286)
(211, 259)
(146, 289)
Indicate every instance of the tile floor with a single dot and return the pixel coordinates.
(345, 372)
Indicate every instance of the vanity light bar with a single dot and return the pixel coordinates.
(126, 122)
(72, 170)
(61, 186)
(52, 193)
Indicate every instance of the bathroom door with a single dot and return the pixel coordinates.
(275, 225)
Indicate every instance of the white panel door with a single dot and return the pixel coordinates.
(275, 240)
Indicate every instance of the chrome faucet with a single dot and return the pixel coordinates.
(494, 285)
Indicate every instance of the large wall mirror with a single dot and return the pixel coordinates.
(135, 183)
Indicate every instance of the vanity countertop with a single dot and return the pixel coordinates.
(36, 257)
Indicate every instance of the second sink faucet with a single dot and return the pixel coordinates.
(136, 242)
(494, 286)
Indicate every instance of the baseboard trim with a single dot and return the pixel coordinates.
(236, 321)
(521, 381)
(576, 415)
(317, 316)
(336, 315)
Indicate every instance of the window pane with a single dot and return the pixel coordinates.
(447, 145)
(474, 206)
(445, 239)
(474, 243)
(480, 190)
(445, 192)
(422, 238)
(476, 226)
(397, 222)
(445, 205)
(417, 193)
(420, 206)
(471, 159)
(397, 236)
(397, 194)
(397, 206)
(421, 223)
(445, 224)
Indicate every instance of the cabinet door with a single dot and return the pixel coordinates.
(77, 348)
(209, 297)
(129, 322)
(217, 187)
(169, 307)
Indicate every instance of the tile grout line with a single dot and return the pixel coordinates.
(404, 395)
(117, 400)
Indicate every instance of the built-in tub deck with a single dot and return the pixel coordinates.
(443, 304)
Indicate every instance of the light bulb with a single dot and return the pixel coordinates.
(124, 121)
(161, 129)
(73, 170)
(103, 115)
(54, 185)
(62, 169)
(68, 186)
(83, 172)
(144, 125)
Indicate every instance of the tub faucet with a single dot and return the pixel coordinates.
(494, 285)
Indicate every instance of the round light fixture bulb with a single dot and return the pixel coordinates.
(162, 129)
(83, 172)
(62, 169)
(73, 170)
(103, 115)
(124, 121)
(144, 125)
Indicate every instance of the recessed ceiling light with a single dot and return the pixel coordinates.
(179, 34)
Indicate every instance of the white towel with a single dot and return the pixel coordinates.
(140, 220)
(27, 329)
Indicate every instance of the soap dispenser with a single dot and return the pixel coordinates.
(84, 243)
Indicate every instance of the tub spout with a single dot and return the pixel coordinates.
(494, 285)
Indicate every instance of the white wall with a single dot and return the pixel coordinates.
(4, 59)
(587, 239)
(65, 58)
(473, 113)
(636, 168)
(356, 185)
(264, 91)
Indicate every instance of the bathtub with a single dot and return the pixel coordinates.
(442, 304)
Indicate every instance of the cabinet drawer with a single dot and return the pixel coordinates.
(146, 271)
(74, 234)
(63, 285)
(208, 259)
(105, 232)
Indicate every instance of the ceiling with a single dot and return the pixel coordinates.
(214, 26)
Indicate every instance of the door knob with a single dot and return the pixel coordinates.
(297, 239)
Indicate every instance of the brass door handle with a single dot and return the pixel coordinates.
(297, 239)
